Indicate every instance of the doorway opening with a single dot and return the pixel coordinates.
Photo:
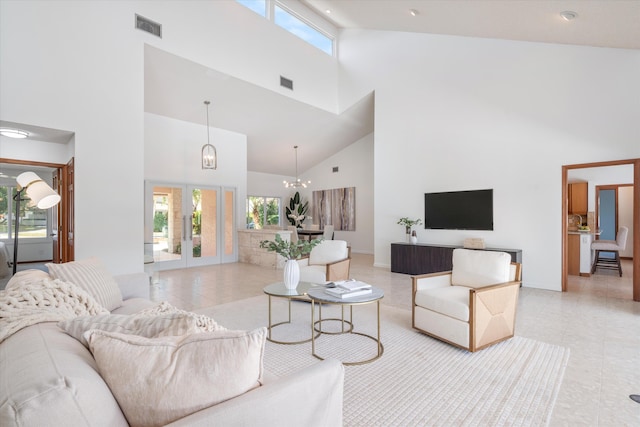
(634, 241)
(56, 244)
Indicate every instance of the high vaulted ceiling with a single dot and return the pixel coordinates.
(274, 123)
(176, 87)
(599, 23)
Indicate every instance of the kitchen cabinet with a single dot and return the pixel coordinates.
(578, 198)
(579, 253)
(573, 254)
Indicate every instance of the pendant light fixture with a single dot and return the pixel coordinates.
(209, 155)
(297, 183)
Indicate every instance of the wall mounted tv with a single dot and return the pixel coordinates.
(459, 210)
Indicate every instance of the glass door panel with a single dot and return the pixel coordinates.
(167, 226)
(204, 226)
(229, 225)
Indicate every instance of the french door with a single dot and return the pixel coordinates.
(187, 225)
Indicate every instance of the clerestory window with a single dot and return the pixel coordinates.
(293, 22)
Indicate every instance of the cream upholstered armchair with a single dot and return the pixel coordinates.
(328, 261)
(472, 306)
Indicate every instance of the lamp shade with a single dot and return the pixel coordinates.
(40, 193)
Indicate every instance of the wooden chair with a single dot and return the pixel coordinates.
(472, 306)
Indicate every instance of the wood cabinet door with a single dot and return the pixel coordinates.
(578, 198)
(573, 254)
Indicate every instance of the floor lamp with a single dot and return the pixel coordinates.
(41, 195)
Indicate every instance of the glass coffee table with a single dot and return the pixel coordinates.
(318, 295)
(278, 290)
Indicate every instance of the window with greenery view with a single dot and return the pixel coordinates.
(262, 211)
(33, 221)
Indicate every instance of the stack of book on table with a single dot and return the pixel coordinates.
(347, 289)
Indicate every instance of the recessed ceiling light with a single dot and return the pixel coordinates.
(413, 12)
(568, 15)
(13, 133)
(328, 11)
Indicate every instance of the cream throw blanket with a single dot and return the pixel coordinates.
(203, 323)
(45, 300)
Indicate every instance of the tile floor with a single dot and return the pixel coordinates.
(597, 319)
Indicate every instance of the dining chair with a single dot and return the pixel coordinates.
(328, 232)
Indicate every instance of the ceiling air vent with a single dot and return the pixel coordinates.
(285, 82)
(148, 25)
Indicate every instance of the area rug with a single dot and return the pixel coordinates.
(418, 381)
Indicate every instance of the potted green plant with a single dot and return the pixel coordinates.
(296, 212)
(408, 224)
(291, 251)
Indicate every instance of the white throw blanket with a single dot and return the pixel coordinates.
(45, 300)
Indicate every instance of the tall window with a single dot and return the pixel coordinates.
(262, 211)
(34, 222)
(299, 26)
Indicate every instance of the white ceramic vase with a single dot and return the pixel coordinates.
(291, 274)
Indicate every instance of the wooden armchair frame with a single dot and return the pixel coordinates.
(492, 308)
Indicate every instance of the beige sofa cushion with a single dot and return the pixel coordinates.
(150, 327)
(159, 380)
(50, 379)
(91, 275)
(452, 301)
(314, 274)
(477, 269)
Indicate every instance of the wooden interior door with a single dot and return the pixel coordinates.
(68, 252)
(55, 224)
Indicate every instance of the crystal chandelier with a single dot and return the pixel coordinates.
(209, 155)
(297, 183)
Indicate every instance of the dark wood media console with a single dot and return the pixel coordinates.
(420, 258)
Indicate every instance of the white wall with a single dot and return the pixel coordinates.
(79, 66)
(455, 113)
(355, 169)
(37, 151)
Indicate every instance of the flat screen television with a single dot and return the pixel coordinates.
(459, 210)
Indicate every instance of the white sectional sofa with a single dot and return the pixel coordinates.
(49, 378)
